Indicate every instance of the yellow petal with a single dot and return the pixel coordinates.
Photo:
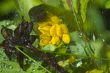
(66, 38)
(53, 30)
(42, 36)
(43, 24)
(55, 40)
(58, 30)
(64, 28)
(44, 40)
(45, 29)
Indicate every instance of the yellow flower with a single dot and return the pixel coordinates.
(58, 31)
(66, 38)
(55, 40)
(53, 32)
(44, 28)
(64, 28)
(44, 40)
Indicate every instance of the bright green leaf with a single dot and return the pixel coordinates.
(107, 5)
(83, 9)
(49, 48)
(25, 6)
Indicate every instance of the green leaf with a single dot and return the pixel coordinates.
(65, 5)
(72, 3)
(75, 36)
(81, 48)
(77, 49)
(25, 6)
(49, 48)
(54, 3)
(107, 5)
(36, 68)
(7, 65)
(61, 50)
(83, 9)
(97, 45)
(75, 5)
(7, 6)
(63, 63)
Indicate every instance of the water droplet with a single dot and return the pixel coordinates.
(80, 35)
(26, 59)
(7, 23)
(79, 64)
(33, 71)
(34, 64)
(94, 37)
(103, 40)
(11, 67)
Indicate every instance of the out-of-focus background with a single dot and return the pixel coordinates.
(89, 17)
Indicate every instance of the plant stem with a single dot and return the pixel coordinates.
(17, 47)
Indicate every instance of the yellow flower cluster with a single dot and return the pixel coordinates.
(53, 31)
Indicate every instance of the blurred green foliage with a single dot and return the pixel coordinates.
(7, 6)
(87, 31)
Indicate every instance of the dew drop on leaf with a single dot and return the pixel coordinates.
(11, 67)
(79, 64)
(33, 70)
(103, 40)
(7, 23)
(80, 35)
(94, 37)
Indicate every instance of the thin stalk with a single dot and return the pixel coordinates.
(46, 58)
(17, 47)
